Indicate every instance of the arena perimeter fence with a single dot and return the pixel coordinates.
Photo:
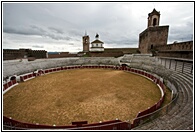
(142, 117)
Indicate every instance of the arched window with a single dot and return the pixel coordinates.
(154, 21)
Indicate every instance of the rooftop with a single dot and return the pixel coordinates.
(97, 41)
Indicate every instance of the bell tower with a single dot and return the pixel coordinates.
(154, 35)
(153, 18)
(86, 42)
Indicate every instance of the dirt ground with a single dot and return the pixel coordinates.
(77, 95)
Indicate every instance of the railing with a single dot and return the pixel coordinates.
(176, 64)
(142, 117)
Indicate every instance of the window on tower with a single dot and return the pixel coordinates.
(154, 21)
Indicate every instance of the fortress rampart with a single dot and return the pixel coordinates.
(177, 50)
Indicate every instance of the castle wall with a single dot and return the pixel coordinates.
(11, 54)
(152, 36)
(38, 53)
(62, 55)
(178, 50)
(106, 54)
(176, 54)
(123, 50)
(181, 46)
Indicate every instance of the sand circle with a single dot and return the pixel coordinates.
(82, 94)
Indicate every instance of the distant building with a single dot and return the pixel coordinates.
(97, 49)
(97, 45)
(86, 43)
(11, 54)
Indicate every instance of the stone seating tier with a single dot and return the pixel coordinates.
(180, 117)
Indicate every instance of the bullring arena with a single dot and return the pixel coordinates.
(99, 93)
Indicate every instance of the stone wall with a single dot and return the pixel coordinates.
(11, 54)
(123, 50)
(151, 37)
(37, 53)
(61, 55)
(18, 67)
(177, 50)
(177, 46)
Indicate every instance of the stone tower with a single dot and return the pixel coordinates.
(153, 18)
(86, 43)
(154, 35)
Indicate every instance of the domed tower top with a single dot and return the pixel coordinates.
(97, 36)
(153, 18)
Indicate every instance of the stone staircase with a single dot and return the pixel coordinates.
(185, 84)
(180, 115)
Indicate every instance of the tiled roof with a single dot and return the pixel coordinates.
(97, 41)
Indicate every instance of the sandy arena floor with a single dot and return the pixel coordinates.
(77, 95)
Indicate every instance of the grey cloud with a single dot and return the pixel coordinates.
(180, 37)
(19, 30)
(75, 32)
(53, 33)
(117, 23)
(37, 46)
(56, 30)
(35, 30)
(38, 29)
(71, 43)
(181, 32)
(56, 37)
(24, 30)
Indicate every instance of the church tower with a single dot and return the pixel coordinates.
(86, 43)
(153, 18)
(154, 35)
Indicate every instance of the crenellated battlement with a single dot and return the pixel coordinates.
(176, 49)
(10, 54)
(176, 46)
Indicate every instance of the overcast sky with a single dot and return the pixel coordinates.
(60, 26)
